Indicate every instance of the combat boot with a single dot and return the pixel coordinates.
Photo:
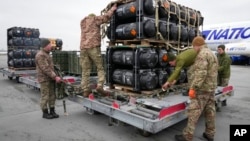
(53, 113)
(224, 103)
(180, 138)
(86, 93)
(46, 114)
(206, 137)
(100, 90)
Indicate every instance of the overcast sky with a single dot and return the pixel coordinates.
(61, 18)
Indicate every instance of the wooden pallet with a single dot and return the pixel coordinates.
(126, 90)
(25, 68)
(134, 43)
(129, 91)
(145, 43)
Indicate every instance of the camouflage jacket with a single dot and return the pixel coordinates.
(224, 65)
(90, 30)
(183, 60)
(205, 71)
(44, 66)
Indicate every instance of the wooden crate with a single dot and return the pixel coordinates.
(146, 43)
(23, 68)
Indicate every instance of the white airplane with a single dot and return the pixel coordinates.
(235, 36)
(3, 52)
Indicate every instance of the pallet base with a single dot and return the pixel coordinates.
(146, 42)
(126, 90)
(26, 68)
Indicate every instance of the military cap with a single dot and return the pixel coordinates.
(91, 15)
(171, 56)
(222, 47)
(44, 42)
(198, 41)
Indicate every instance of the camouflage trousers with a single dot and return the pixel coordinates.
(190, 71)
(204, 102)
(87, 57)
(48, 96)
(223, 81)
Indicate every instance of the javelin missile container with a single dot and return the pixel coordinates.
(23, 44)
(161, 24)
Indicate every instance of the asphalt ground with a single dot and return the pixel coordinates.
(21, 117)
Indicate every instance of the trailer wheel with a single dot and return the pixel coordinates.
(17, 79)
(10, 78)
(144, 133)
(91, 111)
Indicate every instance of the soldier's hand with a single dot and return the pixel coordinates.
(114, 7)
(192, 93)
(58, 79)
(165, 86)
(173, 82)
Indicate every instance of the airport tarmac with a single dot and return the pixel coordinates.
(21, 117)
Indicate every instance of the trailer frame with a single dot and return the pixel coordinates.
(12, 73)
(148, 114)
(173, 109)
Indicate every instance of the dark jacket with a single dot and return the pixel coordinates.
(224, 70)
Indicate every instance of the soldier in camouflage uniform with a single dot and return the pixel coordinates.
(183, 60)
(203, 83)
(91, 51)
(46, 77)
(224, 69)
